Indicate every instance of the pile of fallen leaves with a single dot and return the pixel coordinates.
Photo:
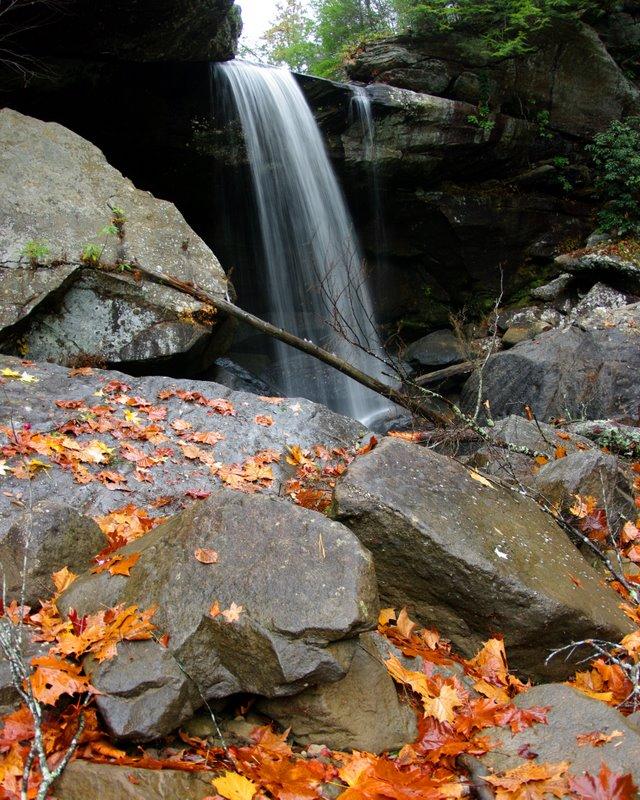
(456, 701)
(316, 472)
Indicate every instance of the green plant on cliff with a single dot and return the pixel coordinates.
(496, 28)
(616, 156)
(35, 252)
(91, 254)
(483, 118)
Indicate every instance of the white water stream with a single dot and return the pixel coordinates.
(313, 264)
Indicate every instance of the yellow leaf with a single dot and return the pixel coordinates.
(386, 616)
(63, 579)
(481, 479)
(442, 706)
(234, 787)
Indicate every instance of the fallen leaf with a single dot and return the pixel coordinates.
(232, 614)
(607, 785)
(206, 556)
(234, 787)
(386, 616)
(597, 738)
(481, 479)
(63, 579)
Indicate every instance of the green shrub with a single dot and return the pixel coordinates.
(91, 254)
(35, 252)
(616, 156)
(496, 28)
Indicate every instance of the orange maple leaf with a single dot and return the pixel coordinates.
(531, 782)
(53, 677)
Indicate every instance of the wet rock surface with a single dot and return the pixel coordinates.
(45, 538)
(300, 610)
(84, 779)
(572, 714)
(298, 422)
(471, 559)
(362, 711)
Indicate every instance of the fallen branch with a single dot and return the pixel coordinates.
(441, 375)
(412, 404)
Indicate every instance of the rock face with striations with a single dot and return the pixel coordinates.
(579, 102)
(57, 192)
(587, 370)
(306, 586)
(471, 558)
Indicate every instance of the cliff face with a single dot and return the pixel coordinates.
(129, 30)
(480, 166)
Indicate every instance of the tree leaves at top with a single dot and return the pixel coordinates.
(316, 35)
(494, 28)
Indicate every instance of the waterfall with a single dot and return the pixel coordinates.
(361, 114)
(313, 267)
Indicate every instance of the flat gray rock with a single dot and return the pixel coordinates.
(174, 476)
(571, 714)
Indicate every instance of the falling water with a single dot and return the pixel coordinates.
(313, 264)
(362, 115)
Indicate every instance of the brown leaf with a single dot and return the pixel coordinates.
(205, 556)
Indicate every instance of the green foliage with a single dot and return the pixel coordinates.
(91, 254)
(35, 252)
(346, 24)
(108, 230)
(561, 163)
(315, 36)
(290, 41)
(496, 28)
(483, 118)
(543, 118)
(616, 155)
(118, 216)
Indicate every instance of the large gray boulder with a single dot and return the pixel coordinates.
(586, 370)
(306, 586)
(44, 539)
(44, 406)
(57, 192)
(437, 349)
(360, 712)
(576, 465)
(571, 714)
(611, 267)
(471, 558)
